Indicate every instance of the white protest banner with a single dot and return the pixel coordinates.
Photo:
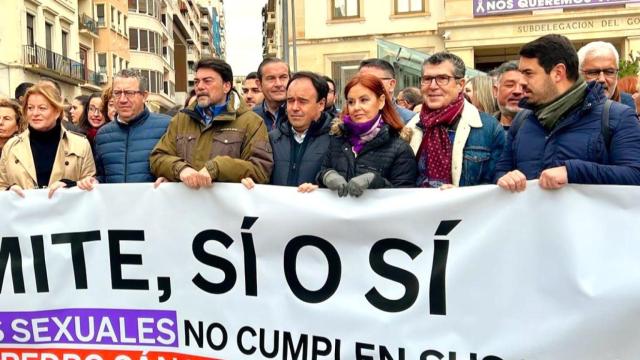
(131, 272)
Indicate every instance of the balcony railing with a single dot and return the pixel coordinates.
(39, 56)
(88, 23)
(93, 78)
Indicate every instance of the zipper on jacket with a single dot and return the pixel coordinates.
(126, 155)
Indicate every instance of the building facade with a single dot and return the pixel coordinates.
(49, 38)
(112, 44)
(488, 32)
(321, 44)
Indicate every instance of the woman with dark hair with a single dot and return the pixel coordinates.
(11, 121)
(369, 147)
(92, 117)
(46, 155)
(77, 108)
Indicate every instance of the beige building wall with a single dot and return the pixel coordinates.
(113, 38)
(323, 45)
(21, 63)
(484, 42)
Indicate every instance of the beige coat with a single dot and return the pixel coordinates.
(74, 161)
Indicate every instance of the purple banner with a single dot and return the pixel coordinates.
(497, 7)
(90, 326)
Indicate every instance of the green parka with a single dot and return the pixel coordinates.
(235, 145)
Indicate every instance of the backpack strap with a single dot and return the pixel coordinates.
(606, 130)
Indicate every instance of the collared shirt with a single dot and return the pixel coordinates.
(272, 120)
(299, 137)
(211, 112)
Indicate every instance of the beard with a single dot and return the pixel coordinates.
(203, 101)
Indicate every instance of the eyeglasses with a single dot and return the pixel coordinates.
(94, 110)
(441, 80)
(595, 73)
(129, 94)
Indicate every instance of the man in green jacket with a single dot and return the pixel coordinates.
(218, 138)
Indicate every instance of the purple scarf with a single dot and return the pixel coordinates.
(361, 133)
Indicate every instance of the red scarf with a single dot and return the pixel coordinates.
(436, 148)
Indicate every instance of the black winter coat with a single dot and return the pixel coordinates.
(387, 155)
(303, 169)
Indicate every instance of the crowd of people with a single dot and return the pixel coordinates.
(556, 115)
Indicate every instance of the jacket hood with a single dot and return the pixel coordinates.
(235, 107)
(338, 129)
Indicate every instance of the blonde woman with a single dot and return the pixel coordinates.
(11, 121)
(482, 94)
(45, 155)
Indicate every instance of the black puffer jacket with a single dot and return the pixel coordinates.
(388, 155)
(303, 169)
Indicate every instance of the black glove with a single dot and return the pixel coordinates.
(335, 182)
(358, 184)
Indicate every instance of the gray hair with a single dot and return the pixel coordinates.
(440, 57)
(505, 68)
(597, 48)
(134, 74)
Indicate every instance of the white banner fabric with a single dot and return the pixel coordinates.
(131, 272)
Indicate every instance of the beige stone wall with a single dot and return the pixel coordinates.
(469, 36)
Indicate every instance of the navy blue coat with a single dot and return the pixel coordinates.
(577, 143)
(388, 156)
(268, 119)
(627, 99)
(293, 172)
(122, 150)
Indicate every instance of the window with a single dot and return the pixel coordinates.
(113, 17)
(144, 41)
(100, 14)
(152, 9)
(102, 63)
(341, 72)
(48, 32)
(409, 6)
(142, 6)
(133, 5)
(30, 30)
(119, 21)
(65, 44)
(133, 39)
(345, 8)
(125, 24)
(152, 42)
(114, 63)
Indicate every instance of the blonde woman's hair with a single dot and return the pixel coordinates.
(50, 93)
(8, 103)
(483, 94)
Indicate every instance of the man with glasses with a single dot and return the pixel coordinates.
(384, 71)
(217, 138)
(273, 77)
(598, 61)
(122, 147)
(568, 131)
(455, 144)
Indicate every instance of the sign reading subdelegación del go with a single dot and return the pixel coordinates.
(498, 7)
